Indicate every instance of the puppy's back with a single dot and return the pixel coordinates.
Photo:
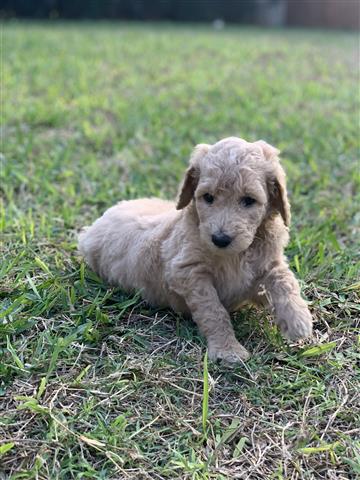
(123, 246)
(145, 206)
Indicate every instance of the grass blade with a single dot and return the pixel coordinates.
(205, 400)
(321, 448)
(6, 447)
(318, 350)
(12, 352)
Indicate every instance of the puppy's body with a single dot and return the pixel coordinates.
(134, 242)
(125, 246)
(171, 257)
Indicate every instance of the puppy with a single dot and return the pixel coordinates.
(220, 245)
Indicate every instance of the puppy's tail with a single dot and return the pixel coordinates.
(81, 241)
(90, 246)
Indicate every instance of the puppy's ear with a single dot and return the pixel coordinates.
(191, 178)
(187, 187)
(277, 182)
(268, 150)
(278, 194)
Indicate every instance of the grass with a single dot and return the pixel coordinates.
(94, 383)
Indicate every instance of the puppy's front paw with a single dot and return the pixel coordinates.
(232, 353)
(297, 325)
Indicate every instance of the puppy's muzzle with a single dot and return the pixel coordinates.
(221, 240)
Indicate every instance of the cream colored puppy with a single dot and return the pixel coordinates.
(219, 246)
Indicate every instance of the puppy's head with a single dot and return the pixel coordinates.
(235, 186)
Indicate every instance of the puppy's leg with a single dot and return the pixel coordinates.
(282, 291)
(211, 317)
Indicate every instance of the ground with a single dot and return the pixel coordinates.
(94, 383)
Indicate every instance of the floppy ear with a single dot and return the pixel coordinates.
(268, 150)
(191, 178)
(278, 195)
(187, 188)
(277, 182)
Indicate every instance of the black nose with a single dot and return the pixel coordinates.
(221, 240)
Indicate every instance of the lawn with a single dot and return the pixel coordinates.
(94, 383)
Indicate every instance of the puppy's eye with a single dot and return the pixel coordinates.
(247, 201)
(208, 198)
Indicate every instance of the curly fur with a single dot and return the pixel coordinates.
(166, 250)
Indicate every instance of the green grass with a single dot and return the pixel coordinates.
(93, 383)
